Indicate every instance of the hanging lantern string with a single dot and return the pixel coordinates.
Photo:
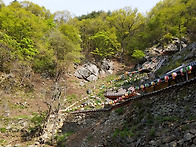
(127, 73)
(120, 77)
(137, 88)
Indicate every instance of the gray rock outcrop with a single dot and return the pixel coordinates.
(82, 73)
(107, 65)
(90, 71)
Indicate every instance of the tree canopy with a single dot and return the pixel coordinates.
(37, 38)
(32, 35)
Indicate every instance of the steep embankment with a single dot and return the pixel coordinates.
(166, 118)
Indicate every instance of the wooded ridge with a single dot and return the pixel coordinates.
(32, 35)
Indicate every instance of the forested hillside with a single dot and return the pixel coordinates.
(40, 50)
(33, 36)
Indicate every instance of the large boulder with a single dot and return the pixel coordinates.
(92, 68)
(101, 72)
(82, 73)
(92, 78)
(175, 46)
(171, 47)
(109, 71)
(88, 72)
(107, 65)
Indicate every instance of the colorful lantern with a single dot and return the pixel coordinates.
(189, 68)
(126, 73)
(142, 87)
(158, 81)
(126, 94)
(174, 74)
(152, 83)
(123, 96)
(137, 88)
(182, 70)
(166, 78)
(146, 85)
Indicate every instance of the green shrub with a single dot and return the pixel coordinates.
(6, 57)
(119, 111)
(115, 133)
(61, 140)
(36, 129)
(162, 119)
(150, 119)
(38, 118)
(44, 64)
(2, 141)
(126, 132)
(2, 130)
(70, 98)
(152, 132)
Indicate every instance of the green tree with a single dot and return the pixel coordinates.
(138, 54)
(1, 4)
(105, 44)
(27, 48)
(64, 49)
(19, 23)
(88, 28)
(171, 18)
(27, 24)
(190, 16)
(36, 9)
(71, 32)
(126, 22)
(6, 57)
(91, 15)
